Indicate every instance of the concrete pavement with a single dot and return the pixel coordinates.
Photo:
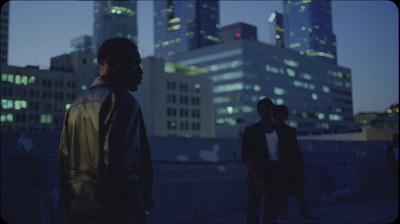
(380, 211)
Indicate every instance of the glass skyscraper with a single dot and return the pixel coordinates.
(180, 26)
(317, 93)
(114, 19)
(308, 26)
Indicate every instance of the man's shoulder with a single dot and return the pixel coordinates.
(254, 126)
(101, 94)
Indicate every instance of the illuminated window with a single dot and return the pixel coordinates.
(18, 79)
(10, 118)
(314, 96)
(257, 88)
(321, 116)
(326, 89)
(10, 78)
(228, 87)
(276, 70)
(305, 76)
(291, 72)
(279, 91)
(291, 63)
(4, 77)
(45, 118)
(7, 104)
(279, 101)
(24, 80)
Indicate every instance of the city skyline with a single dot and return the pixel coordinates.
(370, 51)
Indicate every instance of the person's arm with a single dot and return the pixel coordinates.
(146, 173)
(63, 166)
(246, 159)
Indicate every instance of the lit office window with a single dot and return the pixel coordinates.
(7, 104)
(314, 96)
(279, 101)
(305, 76)
(321, 116)
(18, 79)
(279, 91)
(4, 77)
(20, 104)
(291, 63)
(326, 89)
(10, 78)
(46, 118)
(273, 69)
(257, 88)
(228, 87)
(290, 72)
(10, 118)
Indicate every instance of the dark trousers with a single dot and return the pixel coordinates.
(273, 195)
(301, 201)
(124, 207)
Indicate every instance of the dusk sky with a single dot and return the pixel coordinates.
(367, 34)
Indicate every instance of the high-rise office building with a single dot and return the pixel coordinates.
(317, 93)
(33, 99)
(180, 26)
(277, 30)
(81, 44)
(5, 10)
(175, 100)
(114, 19)
(308, 26)
(238, 31)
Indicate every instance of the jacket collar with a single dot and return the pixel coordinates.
(102, 81)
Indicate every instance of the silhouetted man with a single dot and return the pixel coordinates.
(392, 159)
(264, 151)
(104, 165)
(295, 179)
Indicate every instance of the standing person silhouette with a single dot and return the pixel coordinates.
(265, 153)
(295, 176)
(392, 159)
(104, 164)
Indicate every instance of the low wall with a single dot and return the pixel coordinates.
(194, 177)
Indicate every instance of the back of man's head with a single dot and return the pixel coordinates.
(113, 49)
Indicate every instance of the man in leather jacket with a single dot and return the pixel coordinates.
(265, 151)
(104, 164)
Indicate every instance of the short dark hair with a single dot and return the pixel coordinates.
(266, 101)
(282, 109)
(113, 49)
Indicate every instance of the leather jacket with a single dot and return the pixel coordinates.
(103, 149)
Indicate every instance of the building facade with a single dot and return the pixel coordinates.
(308, 26)
(81, 44)
(33, 99)
(180, 26)
(5, 15)
(318, 94)
(114, 19)
(385, 120)
(238, 31)
(277, 30)
(175, 100)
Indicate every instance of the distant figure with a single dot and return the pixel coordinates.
(295, 176)
(265, 149)
(392, 159)
(104, 163)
